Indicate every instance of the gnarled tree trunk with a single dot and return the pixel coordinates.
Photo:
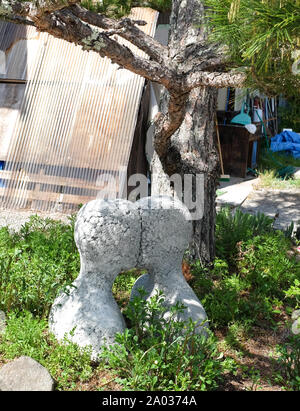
(192, 148)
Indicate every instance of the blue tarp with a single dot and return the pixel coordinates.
(287, 141)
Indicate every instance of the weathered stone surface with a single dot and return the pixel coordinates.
(2, 322)
(25, 374)
(113, 236)
(166, 233)
(107, 234)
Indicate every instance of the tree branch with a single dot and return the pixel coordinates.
(64, 25)
(167, 124)
(66, 20)
(33, 9)
(214, 79)
(125, 28)
(17, 20)
(56, 18)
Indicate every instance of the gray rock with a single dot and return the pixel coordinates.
(25, 374)
(145, 282)
(283, 205)
(296, 323)
(2, 322)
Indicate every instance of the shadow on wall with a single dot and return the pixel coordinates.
(13, 76)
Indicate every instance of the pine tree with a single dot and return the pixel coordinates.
(263, 38)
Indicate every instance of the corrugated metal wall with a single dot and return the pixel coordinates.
(75, 127)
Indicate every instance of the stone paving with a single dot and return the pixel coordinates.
(283, 205)
(235, 191)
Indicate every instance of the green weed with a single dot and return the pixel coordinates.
(231, 228)
(253, 279)
(35, 264)
(162, 353)
(288, 360)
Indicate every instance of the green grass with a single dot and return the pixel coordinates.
(269, 164)
(252, 275)
(35, 264)
(162, 353)
(268, 179)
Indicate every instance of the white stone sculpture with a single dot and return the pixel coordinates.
(117, 235)
(107, 234)
(166, 233)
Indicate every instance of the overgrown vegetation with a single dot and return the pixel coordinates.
(254, 285)
(160, 353)
(35, 264)
(290, 115)
(28, 335)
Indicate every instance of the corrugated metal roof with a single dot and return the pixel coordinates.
(75, 126)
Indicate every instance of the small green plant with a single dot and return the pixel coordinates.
(264, 263)
(289, 357)
(293, 293)
(160, 352)
(232, 228)
(255, 281)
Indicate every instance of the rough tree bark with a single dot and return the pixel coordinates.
(192, 148)
(190, 68)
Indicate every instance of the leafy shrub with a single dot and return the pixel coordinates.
(290, 115)
(222, 294)
(259, 280)
(27, 335)
(233, 228)
(289, 363)
(264, 263)
(289, 357)
(35, 264)
(159, 353)
(294, 292)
